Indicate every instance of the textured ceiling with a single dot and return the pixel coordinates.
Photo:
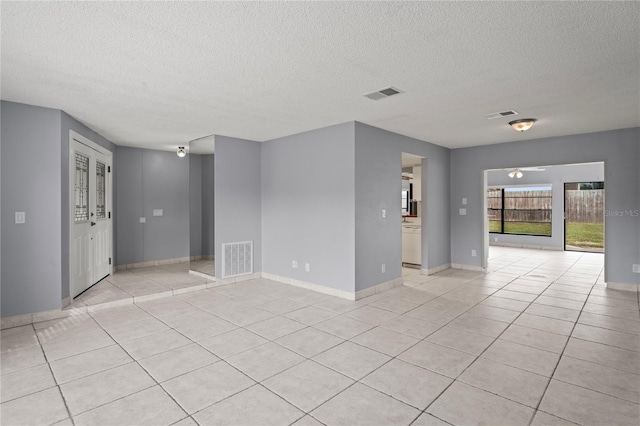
(158, 74)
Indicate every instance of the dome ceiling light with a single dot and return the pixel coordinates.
(522, 124)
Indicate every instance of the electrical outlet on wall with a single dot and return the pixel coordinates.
(384, 268)
(474, 253)
(636, 269)
(294, 264)
(307, 267)
(21, 217)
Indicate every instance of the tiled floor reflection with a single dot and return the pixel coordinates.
(536, 340)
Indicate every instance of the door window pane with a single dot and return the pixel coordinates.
(101, 206)
(81, 188)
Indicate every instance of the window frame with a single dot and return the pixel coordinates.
(502, 209)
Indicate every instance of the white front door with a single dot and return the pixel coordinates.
(91, 235)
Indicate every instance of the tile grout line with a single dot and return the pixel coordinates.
(55, 380)
(420, 412)
(478, 357)
(395, 357)
(561, 355)
(255, 382)
(133, 361)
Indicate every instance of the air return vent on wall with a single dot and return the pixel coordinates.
(383, 93)
(501, 114)
(238, 259)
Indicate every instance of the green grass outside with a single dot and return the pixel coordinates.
(530, 228)
(494, 226)
(585, 235)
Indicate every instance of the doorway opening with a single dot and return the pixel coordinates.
(584, 216)
(90, 214)
(411, 211)
(201, 207)
(558, 207)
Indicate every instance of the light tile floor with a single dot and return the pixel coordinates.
(537, 339)
(134, 285)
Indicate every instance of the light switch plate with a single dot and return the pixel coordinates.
(21, 217)
(464, 201)
(158, 212)
(463, 212)
(143, 220)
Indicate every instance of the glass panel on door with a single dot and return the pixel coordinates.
(101, 205)
(82, 188)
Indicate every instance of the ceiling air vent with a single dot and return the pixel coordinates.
(501, 114)
(383, 93)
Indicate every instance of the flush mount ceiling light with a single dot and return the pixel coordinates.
(522, 124)
(515, 173)
(181, 151)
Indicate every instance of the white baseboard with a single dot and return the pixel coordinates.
(238, 279)
(467, 267)
(16, 321)
(152, 263)
(435, 269)
(310, 286)
(527, 246)
(623, 286)
(203, 257)
(334, 291)
(379, 288)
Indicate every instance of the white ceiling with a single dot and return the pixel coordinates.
(158, 74)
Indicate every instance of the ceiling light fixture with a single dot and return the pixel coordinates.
(515, 173)
(523, 124)
(181, 151)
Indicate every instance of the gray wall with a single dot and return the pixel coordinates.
(31, 170)
(619, 149)
(308, 206)
(128, 182)
(37, 139)
(147, 180)
(69, 123)
(238, 199)
(208, 213)
(556, 176)
(195, 204)
(378, 168)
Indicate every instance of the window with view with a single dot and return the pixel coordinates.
(520, 210)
